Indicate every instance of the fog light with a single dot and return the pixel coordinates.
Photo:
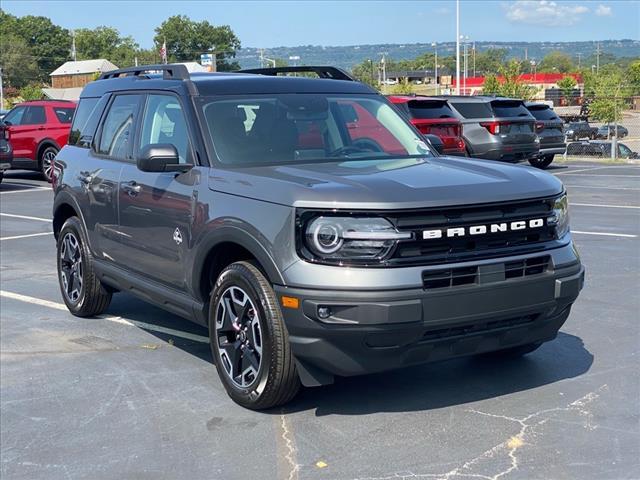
(324, 312)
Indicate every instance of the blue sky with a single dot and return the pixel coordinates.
(291, 23)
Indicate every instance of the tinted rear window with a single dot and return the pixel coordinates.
(543, 113)
(64, 114)
(473, 109)
(502, 108)
(85, 107)
(430, 109)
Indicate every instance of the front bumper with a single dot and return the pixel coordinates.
(373, 331)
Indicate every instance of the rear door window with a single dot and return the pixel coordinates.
(82, 114)
(34, 116)
(506, 108)
(118, 125)
(427, 109)
(473, 109)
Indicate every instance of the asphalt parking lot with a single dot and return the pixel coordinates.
(134, 394)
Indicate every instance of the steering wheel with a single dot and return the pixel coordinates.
(359, 145)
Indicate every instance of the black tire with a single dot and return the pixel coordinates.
(513, 352)
(91, 297)
(46, 162)
(542, 162)
(275, 382)
(1, 176)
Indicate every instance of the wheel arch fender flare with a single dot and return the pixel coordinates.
(65, 199)
(231, 234)
(44, 143)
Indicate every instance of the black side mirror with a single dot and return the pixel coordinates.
(435, 142)
(161, 157)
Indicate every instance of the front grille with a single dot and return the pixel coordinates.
(477, 327)
(460, 248)
(454, 277)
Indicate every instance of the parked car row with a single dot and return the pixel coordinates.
(493, 128)
(34, 132)
(599, 148)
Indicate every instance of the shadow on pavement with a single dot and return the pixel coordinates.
(424, 387)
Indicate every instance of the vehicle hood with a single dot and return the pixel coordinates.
(387, 184)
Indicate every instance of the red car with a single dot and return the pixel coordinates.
(433, 116)
(37, 130)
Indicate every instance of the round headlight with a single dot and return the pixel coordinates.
(325, 236)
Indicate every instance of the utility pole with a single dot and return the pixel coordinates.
(598, 59)
(73, 45)
(474, 58)
(435, 73)
(457, 47)
(1, 91)
(578, 55)
(261, 58)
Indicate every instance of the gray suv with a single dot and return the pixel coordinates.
(549, 128)
(307, 224)
(496, 128)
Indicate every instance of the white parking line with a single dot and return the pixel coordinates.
(598, 176)
(25, 217)
(110, 318)
(15, 237)
(30, 188)
(623, 235)
(602, 205)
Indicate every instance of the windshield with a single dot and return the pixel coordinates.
(305, 128)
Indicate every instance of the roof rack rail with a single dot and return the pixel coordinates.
(169, 71)
(333, 73)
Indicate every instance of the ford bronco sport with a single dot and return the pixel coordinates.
(307, 224)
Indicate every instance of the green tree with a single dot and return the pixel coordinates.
(633, 77)
(512, 85)
(31, 92)
(187, 39)
(490, 61)
(366, 72)
(608, 102)
(106, 42)
(567, 85)
(18, 65)
(491, 85)
(557, 62)
(403, 87)
(48, 43)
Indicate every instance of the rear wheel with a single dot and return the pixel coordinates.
(82, 292)
(541, 162)
(47, 162)
(1, 176)
(249, 340)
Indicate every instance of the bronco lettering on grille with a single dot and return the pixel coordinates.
(482, 229)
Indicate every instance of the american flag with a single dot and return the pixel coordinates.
(163, 52)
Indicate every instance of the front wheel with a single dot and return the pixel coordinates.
(541, 162)
(249, 339)
(82, 292)
(47, 158)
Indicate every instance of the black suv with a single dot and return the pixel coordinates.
(577, 130)
(549, 129)
(307, 224)
(496, 128)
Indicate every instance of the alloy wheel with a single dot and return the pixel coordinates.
(71, 267)
(48, 162)
(239, 337)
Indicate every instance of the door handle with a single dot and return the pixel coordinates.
(132, 188)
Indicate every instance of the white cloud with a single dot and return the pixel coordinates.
(603, 11)
(545, 12)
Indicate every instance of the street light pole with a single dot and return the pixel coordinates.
(457, 47)
(435, 73)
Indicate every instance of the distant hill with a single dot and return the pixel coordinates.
(348, 56)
